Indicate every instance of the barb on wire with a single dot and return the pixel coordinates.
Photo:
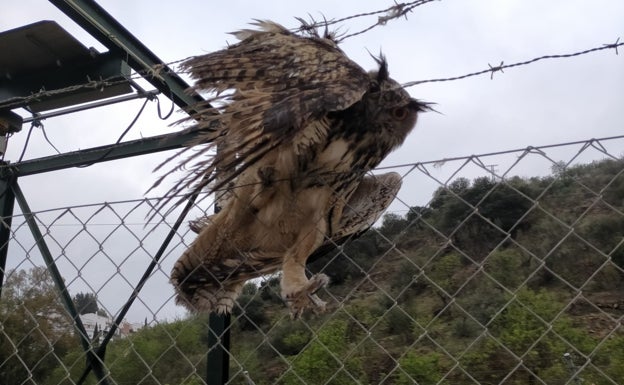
(495, 69)
(614, 45)
(394, 12)
(502, 66)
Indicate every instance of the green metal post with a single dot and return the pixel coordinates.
(7, 199)
(218, 359)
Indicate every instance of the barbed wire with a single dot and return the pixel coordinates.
(395, 11)
(499, 68)
(115, 80)
(390, 13)
(100, 84)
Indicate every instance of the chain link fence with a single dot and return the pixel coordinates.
(504, 268)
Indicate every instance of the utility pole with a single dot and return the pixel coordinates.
(567, 358)
(493, 170)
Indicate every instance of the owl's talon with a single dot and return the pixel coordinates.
(304, 299)
(319, 304)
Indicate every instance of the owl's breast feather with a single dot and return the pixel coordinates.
(336, 157)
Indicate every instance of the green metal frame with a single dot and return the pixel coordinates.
(11, 192)
(108, 31)
(101, 25)
(93, 155)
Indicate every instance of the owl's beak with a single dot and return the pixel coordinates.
(420, 106)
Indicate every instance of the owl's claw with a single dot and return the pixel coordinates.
(306, 298)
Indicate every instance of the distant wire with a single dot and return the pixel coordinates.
(36, 123)
(32, 126)
(529, 149)
(47, 139)
(136, 118)
(170, 110)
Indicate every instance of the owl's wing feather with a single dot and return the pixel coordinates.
(272, 84)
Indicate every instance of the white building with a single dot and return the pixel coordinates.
(90, 320)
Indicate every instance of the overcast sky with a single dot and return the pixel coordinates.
(548, 102)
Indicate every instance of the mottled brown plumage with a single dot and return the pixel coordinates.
(299, 128)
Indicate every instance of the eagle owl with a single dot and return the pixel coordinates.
(297, 128)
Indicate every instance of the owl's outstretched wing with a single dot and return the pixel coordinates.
(272, 85)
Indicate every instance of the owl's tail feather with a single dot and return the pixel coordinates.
(206, 287)
(196, 277)
(209, 297)
(215, 288)
(210, 275)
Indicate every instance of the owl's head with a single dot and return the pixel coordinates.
(389, 104)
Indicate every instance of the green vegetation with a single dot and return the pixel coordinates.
(33, 327)
(443, 295)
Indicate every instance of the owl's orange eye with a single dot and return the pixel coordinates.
(400, 113)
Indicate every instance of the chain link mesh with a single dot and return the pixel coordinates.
(511, 273)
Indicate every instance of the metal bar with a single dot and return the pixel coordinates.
(147, 94)
(218, 358)
(7, 200)
(108, 31)
(69, 84)
(105, 153)
(92, 360)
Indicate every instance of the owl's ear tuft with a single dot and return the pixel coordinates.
(382, 74)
